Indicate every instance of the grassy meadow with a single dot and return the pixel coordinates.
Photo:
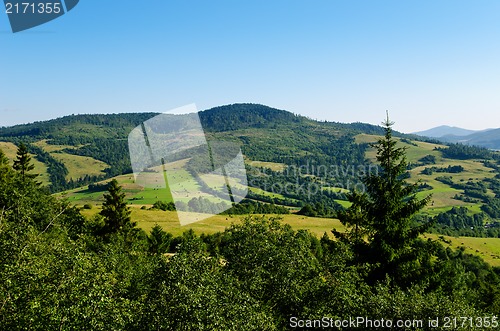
(147, 219)
(487, 248)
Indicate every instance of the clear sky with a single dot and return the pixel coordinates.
(428, 62)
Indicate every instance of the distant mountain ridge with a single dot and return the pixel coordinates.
(489, 138)
(445, 130)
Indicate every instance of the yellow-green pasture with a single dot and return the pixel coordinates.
(487, 248)
(146, 220)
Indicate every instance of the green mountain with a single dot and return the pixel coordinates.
(266, 134)
(291, 160)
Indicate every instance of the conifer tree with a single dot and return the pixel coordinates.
(22, 163)
(380, 220)
(159, 240)
(115, 211)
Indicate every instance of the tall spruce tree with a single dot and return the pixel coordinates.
(115, 211)
(22, 163)
(380, 224)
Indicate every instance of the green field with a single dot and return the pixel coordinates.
(267, 194)
(270, 165)
(43, 144)
(413, 153)
(78, 166)
(442, 194)
(134, 194)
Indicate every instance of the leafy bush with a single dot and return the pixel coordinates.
(170, 206)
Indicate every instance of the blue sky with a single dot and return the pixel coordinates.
(427, 62)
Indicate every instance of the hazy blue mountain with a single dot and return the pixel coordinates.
(488, 138)
(445, 130)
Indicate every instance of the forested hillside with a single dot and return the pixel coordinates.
(265, 134)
